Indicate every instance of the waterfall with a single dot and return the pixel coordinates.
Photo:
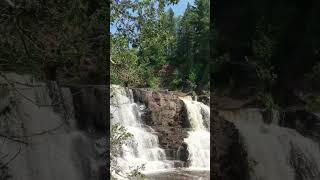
(145, 147)
(44, 143)
(198, 139)
(275, 152)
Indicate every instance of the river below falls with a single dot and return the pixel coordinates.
(180, 174)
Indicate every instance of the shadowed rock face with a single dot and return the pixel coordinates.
(228, 156)
(166, 114)
(183, 153)
(91, 107)
(91, 112)
(306, 123)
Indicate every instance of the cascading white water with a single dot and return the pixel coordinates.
(275, 152)
(198, 139)
(145, 148)
(46, 145)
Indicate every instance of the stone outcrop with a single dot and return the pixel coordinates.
(183, 153)
(166, 114)
(228, 155)
(91, 112)
(91, 109)
(303, 121)
(204, 99)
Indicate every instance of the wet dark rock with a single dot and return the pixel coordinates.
(50, 70)
(204, 99)
(267, 115)
(91, 107)
(228, 155)
(303, 121)
(170, 154)
(183, 153)
(179, 164)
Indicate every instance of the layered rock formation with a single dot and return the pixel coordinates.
(166, 114)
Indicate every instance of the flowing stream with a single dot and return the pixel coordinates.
(44, 143)
(145, 148)
(275, 152)
(198, 139)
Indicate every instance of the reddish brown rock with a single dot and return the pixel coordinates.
(166, 114)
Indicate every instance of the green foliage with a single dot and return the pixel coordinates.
(125, 69)
(36, 33)
(192, 79)
(313, 103)
(267, 101)
(176, 82)
(263, 49)
(279, 55)
(136, 173)
(154, 82)
(219, 61)
(314, 75)
(156, 39)
(192, 52)
(119, 137)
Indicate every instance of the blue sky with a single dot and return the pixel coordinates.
(178, 9)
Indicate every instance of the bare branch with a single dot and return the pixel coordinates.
(43, 132)
(13, 139)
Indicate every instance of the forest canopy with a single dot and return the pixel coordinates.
(55, 38)
(268, 49)
(151, 47)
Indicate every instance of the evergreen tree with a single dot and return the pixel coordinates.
(169, 51)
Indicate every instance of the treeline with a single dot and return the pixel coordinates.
(268, 49)
(151, 47)
(55, 40)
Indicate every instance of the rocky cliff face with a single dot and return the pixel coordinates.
(166, 114)
(228, 155)
(90, 103)
(90, 106)
(303, 121)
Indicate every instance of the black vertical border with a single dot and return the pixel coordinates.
(107, 59)
(211, 45)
